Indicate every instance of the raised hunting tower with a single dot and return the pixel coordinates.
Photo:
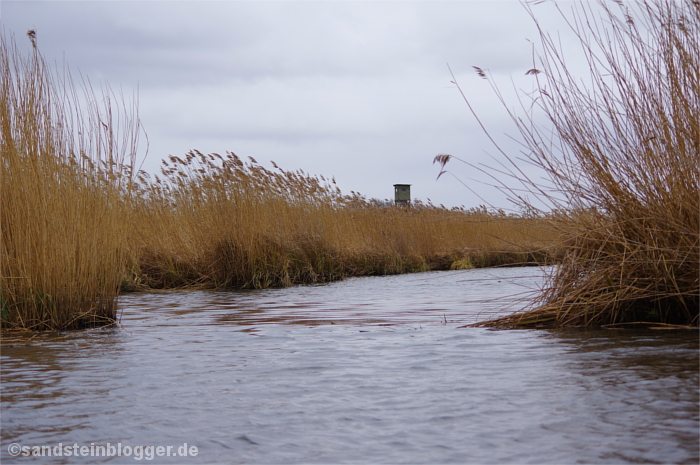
(402, 194)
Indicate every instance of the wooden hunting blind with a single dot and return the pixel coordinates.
(402, 194)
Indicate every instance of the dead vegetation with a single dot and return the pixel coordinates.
(62, 234)
(79, 224)
(623, 155)
(215, 221)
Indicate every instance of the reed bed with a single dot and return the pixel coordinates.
(79, 224)
(214, 221)
(624, 160)
(62, 234)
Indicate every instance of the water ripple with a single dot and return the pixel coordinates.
(371, 370)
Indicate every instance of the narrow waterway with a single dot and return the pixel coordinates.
(367, 370)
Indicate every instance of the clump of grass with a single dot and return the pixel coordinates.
(624, 159)
(462, 264)
(62, 234)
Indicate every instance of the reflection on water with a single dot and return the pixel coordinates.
(370, 370)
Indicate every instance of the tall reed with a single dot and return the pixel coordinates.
(625, 159)
(217, 221)
(62, 234)
(78, 223)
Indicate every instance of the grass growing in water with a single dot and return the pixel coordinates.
(62, 234)
(216, 221)
(624, 158)
(78, 224)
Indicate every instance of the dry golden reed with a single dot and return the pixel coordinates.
(624, 159)
(219, 222)
(78, 224)
(62, 234)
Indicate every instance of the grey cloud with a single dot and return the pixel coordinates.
(359, 90)
(215, 40)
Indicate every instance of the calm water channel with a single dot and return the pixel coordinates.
(367, 370)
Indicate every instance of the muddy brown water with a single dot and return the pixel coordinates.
(367, 370)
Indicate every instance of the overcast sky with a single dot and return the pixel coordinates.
(356, 90)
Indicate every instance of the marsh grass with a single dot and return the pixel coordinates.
(79, 224)
(62, 232)
(214, 221)
(622, 151)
